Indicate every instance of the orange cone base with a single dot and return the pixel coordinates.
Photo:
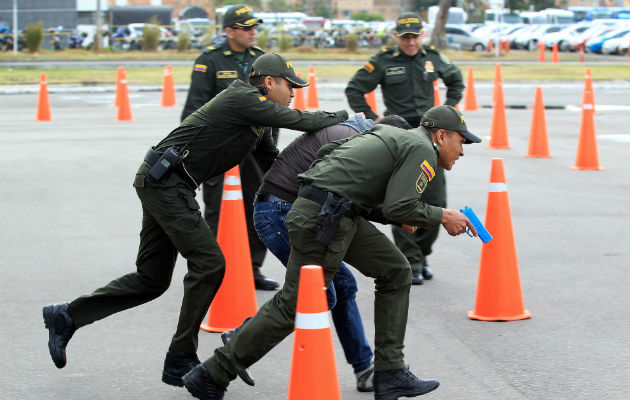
(499, 147)
(208, 328)
(588, 168)
(525, 315)
(538, 156)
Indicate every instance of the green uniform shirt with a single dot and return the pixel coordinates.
(214, 70)
(385, 165)
(235, 122)
(406, 82)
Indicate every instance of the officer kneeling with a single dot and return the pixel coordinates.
(385, 165)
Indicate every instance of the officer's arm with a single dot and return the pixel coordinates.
(201, 85)
(265, 152)
(261, 111)
(364, 81)
(408, 182)
(452, 77)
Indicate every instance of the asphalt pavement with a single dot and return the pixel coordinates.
(71, 220)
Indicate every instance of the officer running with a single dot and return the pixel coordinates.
(214, 70)
(209, 142)
(385, 165)
(406, 73)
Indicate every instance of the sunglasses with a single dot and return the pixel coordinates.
(244, 28)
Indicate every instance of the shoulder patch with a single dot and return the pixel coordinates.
(200, 68)
(426, 175)
(369, 67)
(262, 98)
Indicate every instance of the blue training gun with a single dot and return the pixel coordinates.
(484, 235)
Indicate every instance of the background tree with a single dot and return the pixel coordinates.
(364, 16)
(255, 4)
(321, 9)
(437, 36)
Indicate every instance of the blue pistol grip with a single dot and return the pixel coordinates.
(484, 235)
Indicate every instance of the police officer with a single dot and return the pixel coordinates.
(385, 165)
(406, 73)
(209, 142)
(213, 71)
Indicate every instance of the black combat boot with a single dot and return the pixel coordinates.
(427, 273)
(243, 374)
(262, 282)
(58, 321)
(176, 365)
(200, 384)
(395, 383)
(416, 277)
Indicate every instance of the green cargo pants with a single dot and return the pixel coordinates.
(357, 242)
(417, 246)
(171, 223)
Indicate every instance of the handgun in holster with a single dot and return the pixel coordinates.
(333, 209)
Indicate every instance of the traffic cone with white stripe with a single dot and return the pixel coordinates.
(313, 368)
(498, 129)
(436, 93)
(168, 88)
(312, 98)
(43, 103)
(236, 298)
(371, 100)
(471, 95)
(587, 157)
(499, 296)
(298, 104)
(124, 105)
(538, 143)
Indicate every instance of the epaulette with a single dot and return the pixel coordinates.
(431, 48)
(258, 48)
(210, 49)
(390, 49)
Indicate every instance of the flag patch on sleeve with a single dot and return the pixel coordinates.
(428, 169)
(200, 67)
(369, 67)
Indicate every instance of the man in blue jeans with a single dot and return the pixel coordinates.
(271, 205)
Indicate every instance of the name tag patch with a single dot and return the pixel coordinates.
(227, 75)
(395, 71)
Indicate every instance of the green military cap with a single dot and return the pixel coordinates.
(409, 23)
(449, 118)
(240, 16)
(273, 64)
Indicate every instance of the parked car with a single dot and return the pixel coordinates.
(564, 34)
(529, 40)
(458, 38)
(612, 46)
(574, 43)
(594, 45)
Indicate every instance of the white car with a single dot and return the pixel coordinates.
(612, 46)
(574, 42)
(563, 35)
(459, 38)
(529, 40)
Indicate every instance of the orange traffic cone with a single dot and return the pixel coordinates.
(541, 52)
(587, 157)
(471, 96)
(506, 46)
(436, 94)
(588, 82)
(490, 46)
(43, 103)
(312, 100)
(124, 106)
(120, 72)
(499, 296)
(298, 104)
(554, 53)
(538, 145)
(236, 298)
(371, 100)
(168, 88)
(313, 367)
(498, 130)
(582, 52)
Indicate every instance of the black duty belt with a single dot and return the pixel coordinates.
(320, 196)
(268, 197)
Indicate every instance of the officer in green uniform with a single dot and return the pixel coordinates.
(214, 70)
(384, 165)
(209, 142)
(406, 73)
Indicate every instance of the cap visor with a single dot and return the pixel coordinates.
(470, 137)
(296, 81)
(412, 31)
(250, 22)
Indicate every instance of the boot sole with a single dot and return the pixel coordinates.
(172, 379)
(49, 323)
(395, 394)
(192, 388)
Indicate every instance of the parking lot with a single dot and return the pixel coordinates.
(71, 221)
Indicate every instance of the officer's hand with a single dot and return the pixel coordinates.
(455, 222)
(409, 228)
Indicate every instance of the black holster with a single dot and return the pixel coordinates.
(333, 209)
